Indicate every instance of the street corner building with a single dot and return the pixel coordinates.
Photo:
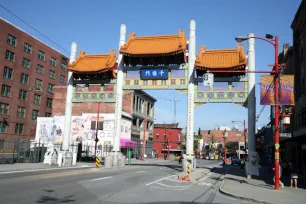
(30, 69)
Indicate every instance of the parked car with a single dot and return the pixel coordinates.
(235, 160)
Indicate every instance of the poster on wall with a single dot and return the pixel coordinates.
(286, 90)
(49, 129)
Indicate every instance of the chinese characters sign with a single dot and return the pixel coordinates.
(154, 74)
(286, 90)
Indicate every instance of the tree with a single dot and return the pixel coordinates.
(199, 132)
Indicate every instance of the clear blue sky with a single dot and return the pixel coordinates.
(94, 25)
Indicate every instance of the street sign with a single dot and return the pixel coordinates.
(208, 79)
(151, 73)
(286, 135)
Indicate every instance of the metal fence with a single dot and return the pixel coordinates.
(21, 152)
(30, 152)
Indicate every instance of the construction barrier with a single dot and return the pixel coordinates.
(188, 170)
(97, 162)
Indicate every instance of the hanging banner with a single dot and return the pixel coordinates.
(286, 90)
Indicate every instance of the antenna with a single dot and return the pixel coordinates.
(174, 101)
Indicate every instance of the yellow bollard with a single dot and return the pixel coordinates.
(97, 162)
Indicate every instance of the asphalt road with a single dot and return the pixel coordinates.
(151, 182)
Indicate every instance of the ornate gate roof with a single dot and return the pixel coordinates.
(93, 63)
(221, 59)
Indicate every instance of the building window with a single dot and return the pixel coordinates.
(64, 64)
(154, 82)
(53, 61)
(19, 128)
(62, 79)
(26, 63)
(20, 112)
(27, 48)
(164, 82)
(40, 69)
(24, 79)
(11, 40)
(49, 102)
(8, 73)
(22, 95)
(50, 88)
(37, 99)
(35, 114)
(6, 90)
(4, 108)
(145, 82)
(136, 82)
(157, 136)
(182, 81)
(127, 82)
(173, 81)
(303, 118)
(51, 74)
(178, 137)
(41, 55)
(165, 137)
(38, 84)
(3, 126)
(48, 114)
(10, 56)
(2, 144)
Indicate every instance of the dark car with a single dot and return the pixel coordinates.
(235, 160)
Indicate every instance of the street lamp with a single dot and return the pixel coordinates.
(244, 133)
(274, 41)
(225, 135)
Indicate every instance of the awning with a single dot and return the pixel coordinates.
(127, 143)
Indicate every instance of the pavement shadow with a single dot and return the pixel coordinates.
(50, 199)
(170, 166)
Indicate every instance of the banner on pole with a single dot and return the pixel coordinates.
(286, 90)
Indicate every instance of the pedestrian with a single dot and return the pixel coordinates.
(293, 176)
(280, 175)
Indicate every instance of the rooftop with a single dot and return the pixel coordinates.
(221, 59)
(154, 45)
(167, 126)
(32, 36)
(93, 62)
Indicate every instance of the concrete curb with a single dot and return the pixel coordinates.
(201, 176)
(221, 190)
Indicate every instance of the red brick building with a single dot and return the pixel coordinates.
(29, 71)
(167, 135)
(59, 104)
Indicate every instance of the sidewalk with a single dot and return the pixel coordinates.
(235, 184)
(36, 166)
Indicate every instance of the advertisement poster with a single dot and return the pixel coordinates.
(286, 90)
(49, 129)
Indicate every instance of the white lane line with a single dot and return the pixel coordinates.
(137, 172)
(102, 178)
(178, 181)
(36, 170)
(159, 180)
(171, 186)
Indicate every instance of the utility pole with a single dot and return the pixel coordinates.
(97, 128)
(174, 101)
(144, 138)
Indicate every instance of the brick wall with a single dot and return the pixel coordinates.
(59, 104)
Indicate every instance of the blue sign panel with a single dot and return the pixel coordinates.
(154, 73)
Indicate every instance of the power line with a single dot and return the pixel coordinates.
(55, 43)
(34, 28)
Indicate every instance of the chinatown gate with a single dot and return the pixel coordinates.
(166, 62)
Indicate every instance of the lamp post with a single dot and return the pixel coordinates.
(225, 135)
(274, 41)
(97, 128)
(144, 138)
(244, 134)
